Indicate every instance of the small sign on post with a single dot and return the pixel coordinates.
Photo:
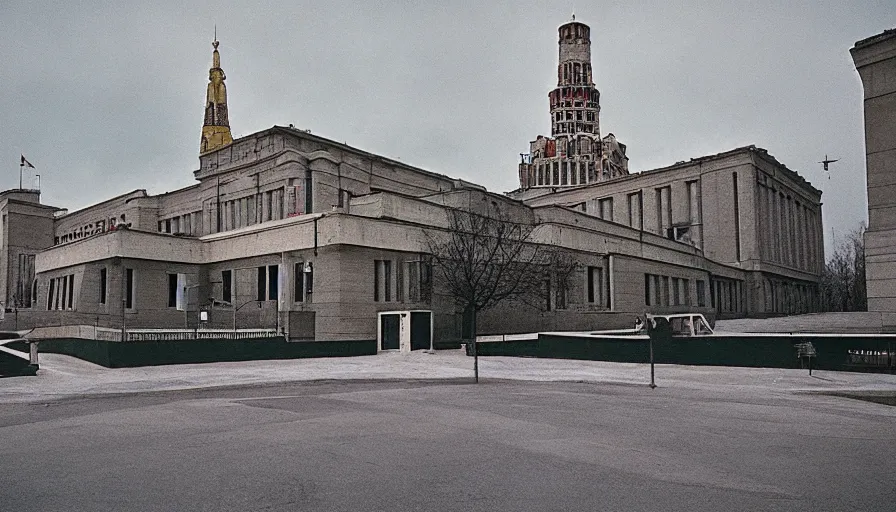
(805, 350)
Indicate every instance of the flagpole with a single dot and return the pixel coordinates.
(21, 169)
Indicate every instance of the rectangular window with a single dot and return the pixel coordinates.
(595, 286)
(562, 289)
(172, 290)
(273, 282)
(102, 286)
(665, 290)
(298, 294)
(413, 281)
(547, 294)
(647, 295)
(376, 280)
(635, 218)
(663, 210)
(701, 293)
(50, 294)
(387, 280)
(262, 283)
(399, 283)
(605, 208)
(129, 288)
(168, 226)
(268, 205)
(227, 286)
(676, 298)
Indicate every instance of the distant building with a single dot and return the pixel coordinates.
(875, 59)
(285, 229)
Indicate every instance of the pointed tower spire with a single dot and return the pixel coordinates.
(216, 128)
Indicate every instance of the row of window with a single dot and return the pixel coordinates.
(187, 224)
(62, 293)
(596, 287)
(402, 281)
(672, 291)
(574, 115)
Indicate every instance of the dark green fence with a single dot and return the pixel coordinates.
(850, 353)
(114, 354)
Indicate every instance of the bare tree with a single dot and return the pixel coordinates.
(843, 277)
(486, 259)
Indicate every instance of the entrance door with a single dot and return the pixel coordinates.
(391, 329)
(420, 330)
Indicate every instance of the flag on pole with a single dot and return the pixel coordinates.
(25, 162)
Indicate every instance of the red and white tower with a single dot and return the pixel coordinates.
(575, 154)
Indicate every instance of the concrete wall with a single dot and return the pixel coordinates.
(875, 59)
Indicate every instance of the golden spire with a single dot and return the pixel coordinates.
(216, 128)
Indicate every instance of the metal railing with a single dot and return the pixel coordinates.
(197, 334)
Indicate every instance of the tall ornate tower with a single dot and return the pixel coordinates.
(575, 154)
(216, 128)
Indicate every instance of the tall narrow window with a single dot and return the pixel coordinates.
(701, 293)
(647, 293)
(298, 294)
(172, 290)
(736, 216)
(129, 288)
(262, 281)
(273, 282)
(50, 294)
(399, 283)
(103, 285)
(376, 280)
(595, 286)
(387, 280)
(227, 286)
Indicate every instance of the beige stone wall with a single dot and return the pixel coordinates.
(875, 59)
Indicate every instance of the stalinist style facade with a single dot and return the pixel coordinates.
(288, 231)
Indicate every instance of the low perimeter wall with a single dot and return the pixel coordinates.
(116, 354)
(844, 353)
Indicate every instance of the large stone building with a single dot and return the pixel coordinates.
(288, 230)
(875, 59)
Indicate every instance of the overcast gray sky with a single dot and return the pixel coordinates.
(105, 97)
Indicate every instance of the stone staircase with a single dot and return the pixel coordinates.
(835, 323)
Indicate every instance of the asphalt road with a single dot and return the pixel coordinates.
(448, 446)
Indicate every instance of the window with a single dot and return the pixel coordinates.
(561, 292)
(605, 208)
(663, 209)
(382, 280)
(387, 279)
(547, 294)
(51, 294)
(399, 283)
(102, 286)
(227, 286)
(635, 204)
(303, 281)
(273, 282)
(129, 288)
(701, 293)
(172, 290)
(647, 295)
(594, 285)
(268, 283)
